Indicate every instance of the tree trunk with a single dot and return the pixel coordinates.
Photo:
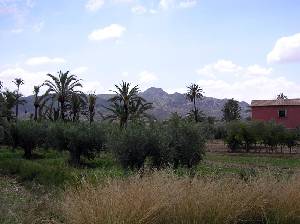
(27, 153)
(17, 104)
(17, 109)
(195, 110)
(91, 116)
(62, 110)
(35, 113)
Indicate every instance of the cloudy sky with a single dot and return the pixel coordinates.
(232, 48)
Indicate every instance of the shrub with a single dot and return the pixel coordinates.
(131, 145)
(234, 138)
(56, 135)
(290, 139)
(28, 135)
(186, 142)
(220, 131)
(84, 140)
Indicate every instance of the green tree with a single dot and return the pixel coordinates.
(231, 110)
(194, 93)
(9, 101)
(18, 82)
(76, 105)
(127, 104)
(92, 98)
(39, 101)
(62, 88)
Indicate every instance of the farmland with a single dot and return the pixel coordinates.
(63, 164)
(43, 189)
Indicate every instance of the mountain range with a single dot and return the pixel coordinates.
(164, 104)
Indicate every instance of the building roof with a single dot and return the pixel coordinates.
(281, 102)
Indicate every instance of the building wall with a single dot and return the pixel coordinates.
(269, 113)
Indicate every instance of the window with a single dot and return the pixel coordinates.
(282, 113)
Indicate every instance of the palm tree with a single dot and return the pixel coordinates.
(76, 105)
(62, 87)
(194, 92)
(281, 96)
(10, 101)
(92, 98)
(18, 82)
(138, 109)
(39, 101)
(124, 103)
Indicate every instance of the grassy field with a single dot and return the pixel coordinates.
(48, 190)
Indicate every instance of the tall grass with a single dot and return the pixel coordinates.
(165, 198)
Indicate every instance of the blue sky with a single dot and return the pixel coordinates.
(232, 48)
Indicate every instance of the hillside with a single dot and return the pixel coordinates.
(164, 104)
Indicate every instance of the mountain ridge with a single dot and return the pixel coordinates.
(164, 104)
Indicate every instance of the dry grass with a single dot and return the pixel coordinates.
(165, 198)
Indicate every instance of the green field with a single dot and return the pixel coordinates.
(31, 190)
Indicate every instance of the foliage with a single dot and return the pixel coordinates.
(281, 96)
(18, 82)
(127, 105)
(84, 140)
(248, 135)
(176, 142)
(195, 92)
(92, 98)
(28, 135)
(186, 142)
(231, 110)
(62, 88)
(139, 142)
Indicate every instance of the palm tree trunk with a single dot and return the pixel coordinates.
(35, 113)
(62, 110)
(91, 116)
(17, 109)
(17, 104)
(195, 110)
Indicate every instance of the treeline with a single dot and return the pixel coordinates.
(256, 135)
(176, 142)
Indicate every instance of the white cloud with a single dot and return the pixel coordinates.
(94, 5)
(258, 70)
(79, 70)
(138, 9)
(169, 4)
(17, 31)
(125, 74)
(44, 60)
(250, 89)
(38, 27)
(225, 79)
(286, 49)
(166, 4)
(30, 79)
(225, 67)
(113, 31)
(221, 66)
(92, 86)
(153, 11)
(147, 77)
(187, 4)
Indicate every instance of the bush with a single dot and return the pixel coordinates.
(186, 142)
(28, 135)
(249, 134)
(56, 135)
(137, 142)
(84, 140)
(176, 142)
